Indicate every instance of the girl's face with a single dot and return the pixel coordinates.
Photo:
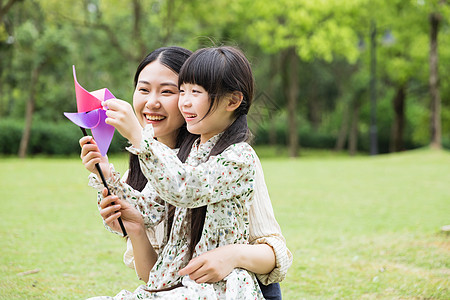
(155, 101)
(194, 104)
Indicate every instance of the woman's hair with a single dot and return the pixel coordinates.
(221, 71)
(173, 58)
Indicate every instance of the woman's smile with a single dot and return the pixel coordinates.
(154, 118)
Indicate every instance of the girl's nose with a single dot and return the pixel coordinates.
(184, 101)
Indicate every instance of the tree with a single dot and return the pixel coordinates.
(6, 7)
(301, 30)
(436, 133)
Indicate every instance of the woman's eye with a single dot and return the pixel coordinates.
(168, 92)
(143, 90)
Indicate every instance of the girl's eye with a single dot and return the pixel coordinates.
(195, 91)
(181, 91)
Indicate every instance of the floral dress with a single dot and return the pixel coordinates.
(224, 184)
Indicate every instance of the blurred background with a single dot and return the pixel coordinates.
(334, 79)
(367, 76)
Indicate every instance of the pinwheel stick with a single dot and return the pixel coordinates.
(106, 186)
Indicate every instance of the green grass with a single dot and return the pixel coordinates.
(359, 228)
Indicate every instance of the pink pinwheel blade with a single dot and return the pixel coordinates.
(103, 94)
(85, 100)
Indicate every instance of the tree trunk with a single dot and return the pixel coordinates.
(373, 91)
(342, 136)
(314, 114)
(272, 110)
(398, 103)
(353, 135)
(291, 78)
(29, 113)
(436, 133)
(137, 14)
(169, 21)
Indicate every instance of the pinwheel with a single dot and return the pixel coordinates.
(91, 115)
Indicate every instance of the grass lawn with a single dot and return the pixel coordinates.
(359, 228)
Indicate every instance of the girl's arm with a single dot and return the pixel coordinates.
(216, 264)
(267, 256)
(144, 254)
(225, 176)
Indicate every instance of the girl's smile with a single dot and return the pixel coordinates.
(189, 117)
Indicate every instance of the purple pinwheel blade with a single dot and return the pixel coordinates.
(88, 119)
(95, 121)
(103, 133)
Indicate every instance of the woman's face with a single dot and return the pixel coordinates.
(155, 101)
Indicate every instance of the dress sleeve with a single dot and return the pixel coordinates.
(146, 202)
(225, 176)
(264, 229)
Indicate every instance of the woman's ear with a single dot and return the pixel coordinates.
(234, 100)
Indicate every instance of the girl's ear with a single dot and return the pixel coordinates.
(234, 100)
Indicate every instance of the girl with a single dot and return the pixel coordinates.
(215, 186)
(165, 58)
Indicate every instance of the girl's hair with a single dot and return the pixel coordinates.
(173, 58)
(221, 71)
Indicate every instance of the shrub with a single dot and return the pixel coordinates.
(47, 138)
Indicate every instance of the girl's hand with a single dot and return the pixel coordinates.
(131, 218)
(211, 266)
(122, 117)
(90, 155)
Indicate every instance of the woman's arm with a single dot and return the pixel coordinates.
(265, 230)
(146, 202)
(144, 254)
(90, 156)
(155, 235)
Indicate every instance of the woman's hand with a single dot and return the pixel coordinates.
(121, 115)
(212, 266)
(90, 155)
(131, 218)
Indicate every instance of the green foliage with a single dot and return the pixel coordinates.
(48, 138)
(314, 30)
(10, 133)
(106, 40)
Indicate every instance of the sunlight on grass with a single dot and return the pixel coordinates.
(359, 228)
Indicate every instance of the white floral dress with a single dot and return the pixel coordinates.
(224, 183)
